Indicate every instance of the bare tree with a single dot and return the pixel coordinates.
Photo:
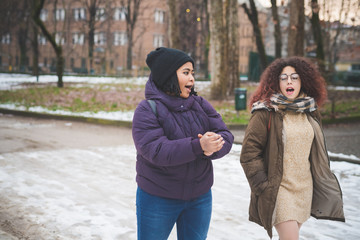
(334, 45)
(174, 24)
(98, 16)
(335, 15)
(317, 33)
(189, 26)
(21, 21)
(193, 24)
(131, 14)
(277, 30)
(38, 6)
(296, 29)
(91, 6)
(16, 15)
(253, 17)
(8, 12)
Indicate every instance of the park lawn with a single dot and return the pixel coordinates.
(125, 97)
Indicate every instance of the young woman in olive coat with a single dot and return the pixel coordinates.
(284, 154)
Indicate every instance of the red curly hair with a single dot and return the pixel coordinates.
(312, 83)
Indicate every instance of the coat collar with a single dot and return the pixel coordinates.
(173, 103)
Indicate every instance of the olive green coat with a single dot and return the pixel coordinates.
(262, 160)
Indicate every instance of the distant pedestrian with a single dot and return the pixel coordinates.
(177, 134)
(284, 153)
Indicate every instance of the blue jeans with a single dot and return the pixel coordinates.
(156, 216)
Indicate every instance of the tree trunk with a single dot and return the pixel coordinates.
(129, 51)
(91, 34)
(22, 37)
(315, 23)
(38, 5)
(253, 17)
(225, 49)
(174, 25)
(296, 31)
(218, 90)
(277, 30)
(233, 59)
(317, 33)
(35, 47)
(59, 66)
(207, 40)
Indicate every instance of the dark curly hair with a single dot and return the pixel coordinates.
(312, 83)
(172, 86)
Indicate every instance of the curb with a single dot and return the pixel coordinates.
(128, 124)
(339, 159)
(118, 123)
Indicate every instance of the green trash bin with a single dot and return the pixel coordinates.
(240, 99)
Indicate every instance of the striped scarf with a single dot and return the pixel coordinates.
(278, 101)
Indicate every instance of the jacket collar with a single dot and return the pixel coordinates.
(173, 103)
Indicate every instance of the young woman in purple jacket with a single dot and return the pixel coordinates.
(177, 134)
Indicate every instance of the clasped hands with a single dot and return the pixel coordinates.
(211, 142)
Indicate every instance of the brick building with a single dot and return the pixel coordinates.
(68, 21)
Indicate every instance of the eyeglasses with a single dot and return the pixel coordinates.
(294, 77)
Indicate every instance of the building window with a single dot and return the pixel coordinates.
(83, 63)
(100, 38)
(53, 62)
(111, 64)
(355, 67)
(100, 14)
(72, 62)
(41, 39)
(120, 38)
(45, 62)
(159, 16)
(6, 39)
(79, 14)
(158, 40)
(59, 38)
(43, 15)
(78, 38)
(120, 14)
(60, 14)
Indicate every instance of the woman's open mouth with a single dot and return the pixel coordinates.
(290, 90)
(188, 87)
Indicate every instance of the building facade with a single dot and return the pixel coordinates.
(68, 21)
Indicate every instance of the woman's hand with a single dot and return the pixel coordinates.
(211, 142)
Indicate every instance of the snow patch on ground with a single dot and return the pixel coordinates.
(90, 194)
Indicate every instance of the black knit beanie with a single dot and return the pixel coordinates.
(164, 62)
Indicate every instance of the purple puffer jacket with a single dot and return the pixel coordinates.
(170, 161)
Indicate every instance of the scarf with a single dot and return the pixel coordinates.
(278, 101)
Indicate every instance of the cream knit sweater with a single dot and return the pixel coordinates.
(295, 192)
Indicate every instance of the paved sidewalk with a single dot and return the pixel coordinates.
(340, 138)
(72, 180)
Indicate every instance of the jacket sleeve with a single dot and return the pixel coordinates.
(153, 145)
(217, 125)
(253, 151)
